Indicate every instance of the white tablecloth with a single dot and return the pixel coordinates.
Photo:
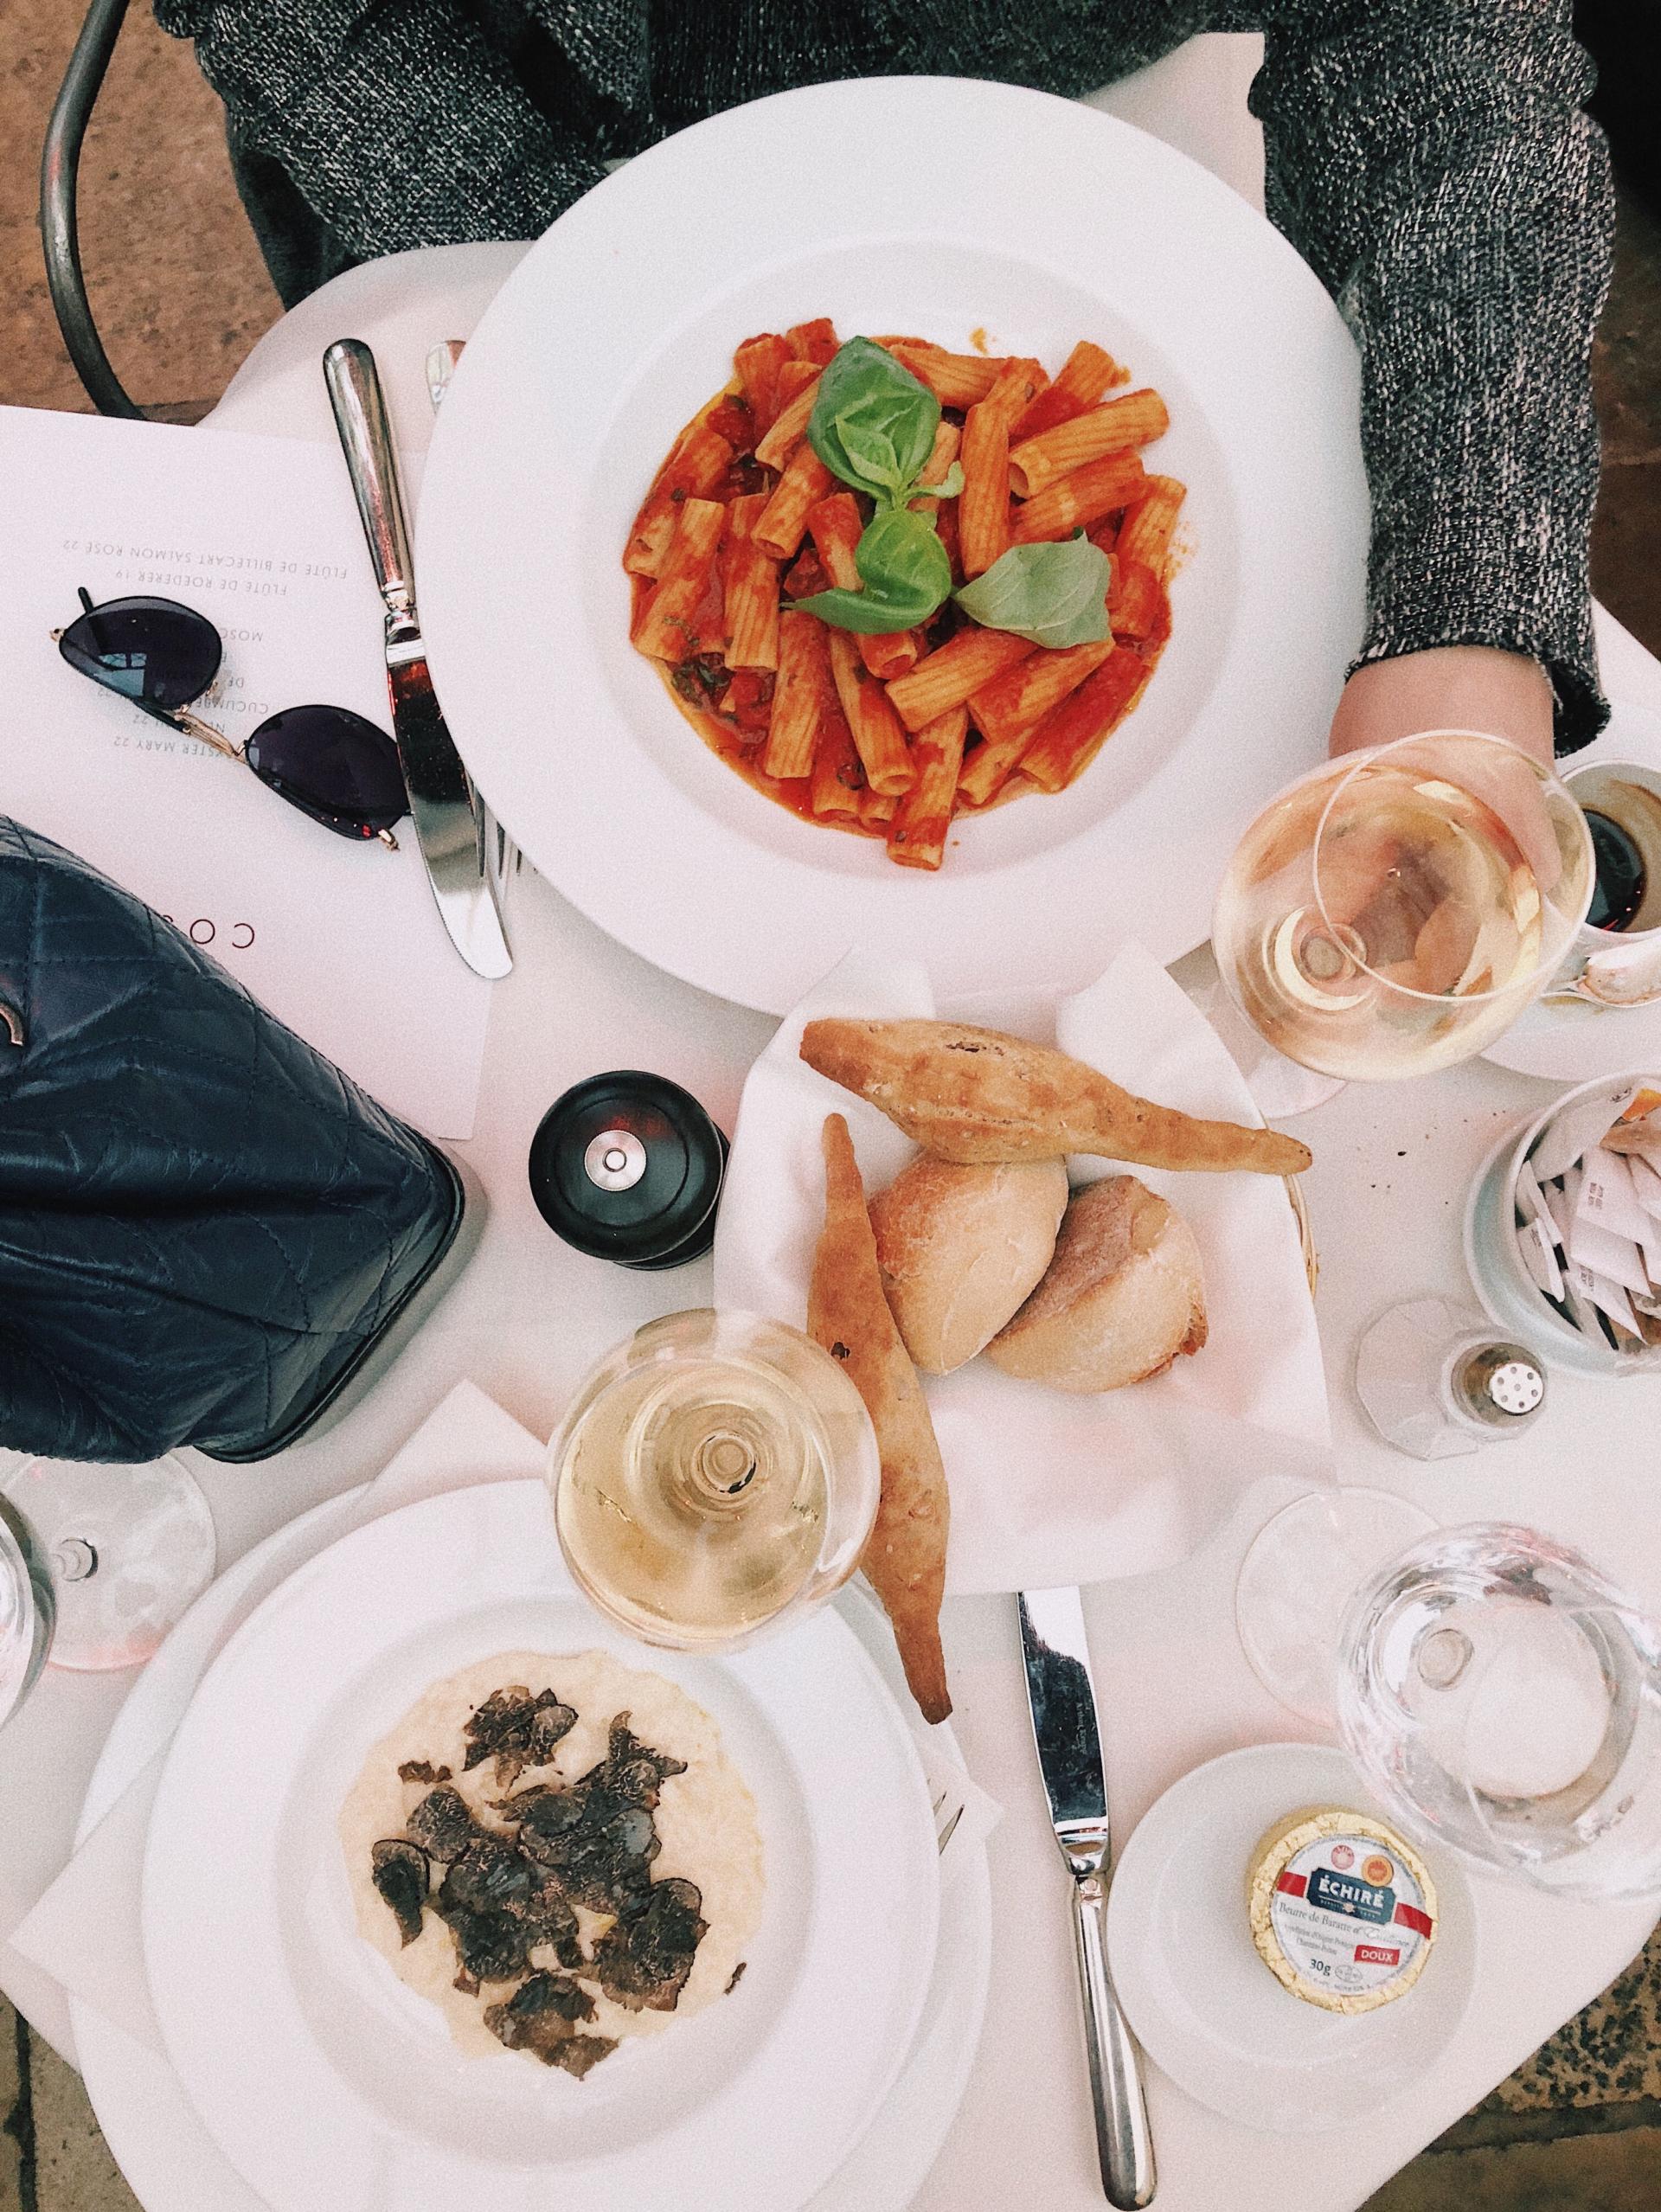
(1393, 1163)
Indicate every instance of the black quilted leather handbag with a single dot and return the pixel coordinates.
(207, 1231)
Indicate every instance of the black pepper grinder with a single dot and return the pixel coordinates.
(628, 1167)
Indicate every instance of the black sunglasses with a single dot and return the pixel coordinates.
(328, 762)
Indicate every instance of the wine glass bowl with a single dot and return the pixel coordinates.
(1394, 912)
(1503, 1697)
(123, 1548)
(714, 1475)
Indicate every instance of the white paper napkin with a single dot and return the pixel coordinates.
(1047, 1488)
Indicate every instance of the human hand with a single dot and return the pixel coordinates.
(1450, 688)
(1447, 687)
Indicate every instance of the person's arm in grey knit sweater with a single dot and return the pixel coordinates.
(1433, 164)
(398, 125)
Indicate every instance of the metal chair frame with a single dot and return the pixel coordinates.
(60, 163)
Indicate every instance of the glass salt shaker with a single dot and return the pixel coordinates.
(1436, 1382)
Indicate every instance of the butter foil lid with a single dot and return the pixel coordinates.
(1344, 1912)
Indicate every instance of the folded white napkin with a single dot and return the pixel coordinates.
(1047, 1488)
(87, 1930)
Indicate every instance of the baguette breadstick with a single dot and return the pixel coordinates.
(975, 1095)
(847, 1313)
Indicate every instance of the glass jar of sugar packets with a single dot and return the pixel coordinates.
(1562, 1228)
(1436, 1381)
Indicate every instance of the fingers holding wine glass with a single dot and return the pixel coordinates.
(1394, 912)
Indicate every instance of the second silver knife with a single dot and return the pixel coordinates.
(1062, 1700)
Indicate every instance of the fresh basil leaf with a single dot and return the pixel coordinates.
(901, 552)
(868, 613)
(870, 451)
(906, 573)
(873, 423)
(948, 487)
(1051, 594)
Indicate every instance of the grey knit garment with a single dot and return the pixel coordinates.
(1430, 160)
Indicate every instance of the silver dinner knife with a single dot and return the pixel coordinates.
(441, 802)
(1062, 1700)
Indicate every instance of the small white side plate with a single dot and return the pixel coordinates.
(1203, 2005)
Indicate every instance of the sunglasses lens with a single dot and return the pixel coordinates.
(333, 766)
(154, 651)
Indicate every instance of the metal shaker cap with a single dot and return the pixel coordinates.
(1502, 1385)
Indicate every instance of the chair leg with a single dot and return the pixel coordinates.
(60, 162)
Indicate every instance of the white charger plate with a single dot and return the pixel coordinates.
(324, 2080)
(1572, 1041)
(978, 205)
(170, 2162)
(1203, 2005)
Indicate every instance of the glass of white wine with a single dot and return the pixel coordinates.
(1397, 910)
(715, 1476)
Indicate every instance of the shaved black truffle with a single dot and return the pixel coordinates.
(516, 1730)
(442, 1824)
(487, 1876)
(492, 1883)
(643, 1960)
(598, 1836)
(490, 1946)
(422, 1770)
(399, 1872)
(540, 2017)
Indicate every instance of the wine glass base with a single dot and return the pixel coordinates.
(129, 1548)
(1280, 1087)
(1297, 1579)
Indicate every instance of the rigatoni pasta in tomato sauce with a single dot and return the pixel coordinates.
(894, 733)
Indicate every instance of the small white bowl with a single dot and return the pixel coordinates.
(1509, 1294)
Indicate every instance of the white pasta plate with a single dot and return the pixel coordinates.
(943, 208)
(325, 2080)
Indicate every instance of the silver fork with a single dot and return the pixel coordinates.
(497, 853)
(943, 1835)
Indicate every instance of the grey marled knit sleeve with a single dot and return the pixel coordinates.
(399, 126)
(1432, 162)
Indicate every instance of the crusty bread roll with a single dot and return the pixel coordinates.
(960, 1248)
(1122, 1297)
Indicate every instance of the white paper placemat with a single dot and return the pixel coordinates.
(341, 941)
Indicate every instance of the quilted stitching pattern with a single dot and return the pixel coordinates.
(203, 1222)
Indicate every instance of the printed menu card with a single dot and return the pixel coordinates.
(340, 940)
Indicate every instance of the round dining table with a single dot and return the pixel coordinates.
(1393, 1165)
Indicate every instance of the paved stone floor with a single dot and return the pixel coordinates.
(180, 296)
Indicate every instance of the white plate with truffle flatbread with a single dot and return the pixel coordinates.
(976, 206)
(1202, 2003)
(325, 2080)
